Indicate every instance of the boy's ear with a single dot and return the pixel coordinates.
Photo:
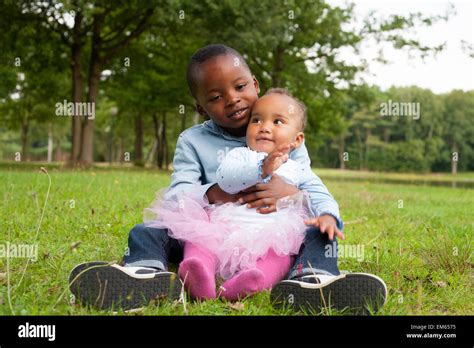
(255, 83)
(201, 110)
(299, 139)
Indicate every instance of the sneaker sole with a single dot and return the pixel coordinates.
(100, 285)
(356, 293)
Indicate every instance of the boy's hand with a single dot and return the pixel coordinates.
(276, 158)
(265, 196)
(326, 224)
(216, 194)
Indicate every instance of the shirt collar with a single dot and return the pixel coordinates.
(210, 125)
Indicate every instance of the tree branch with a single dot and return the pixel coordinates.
(110, 52)
(259, 65)
(303, 59)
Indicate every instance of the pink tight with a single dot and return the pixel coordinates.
(197, 270)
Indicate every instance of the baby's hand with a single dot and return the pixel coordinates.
(276, 158)
(326, 224)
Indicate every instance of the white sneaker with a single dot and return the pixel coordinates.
(358, 293)
(106, 286)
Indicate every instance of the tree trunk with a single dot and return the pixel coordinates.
(454, 159)
(367, 147)
(165, 142)
(110, 143)
(138, 160)
(76, 52)
(50, 142)
(160, 152)
(359, 148)
(278, 66)
(59, 153)
(151, 154)
(24, 138)
(386, 135)
(156, 129)
(121, 152)
(342, 145)
(87, 146)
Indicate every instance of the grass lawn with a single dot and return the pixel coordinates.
(417, 238)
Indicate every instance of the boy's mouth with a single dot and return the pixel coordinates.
(239, 114)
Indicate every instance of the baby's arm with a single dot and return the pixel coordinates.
(239, 170)
(323, 205)
(188, 173)
(243, 168)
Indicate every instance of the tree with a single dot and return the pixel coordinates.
(296, 44)
(149, 85)
(459, 128)
(28, 90)
(111, 27)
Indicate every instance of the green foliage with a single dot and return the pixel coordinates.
(292, 44)
(404, 143)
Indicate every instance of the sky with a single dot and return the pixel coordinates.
(450, 69)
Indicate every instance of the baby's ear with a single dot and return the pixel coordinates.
(299, 139)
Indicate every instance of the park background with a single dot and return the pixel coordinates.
(404, 183)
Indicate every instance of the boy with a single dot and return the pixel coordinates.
(225, 91)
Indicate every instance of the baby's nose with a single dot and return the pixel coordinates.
(264, 129)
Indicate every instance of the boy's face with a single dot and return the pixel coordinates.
(275, 121)
(226, 91)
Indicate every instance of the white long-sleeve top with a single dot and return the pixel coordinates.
(241, 169)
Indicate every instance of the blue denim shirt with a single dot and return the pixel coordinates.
(201, 148)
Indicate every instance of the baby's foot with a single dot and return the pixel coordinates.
(197, 278)
(245, 283)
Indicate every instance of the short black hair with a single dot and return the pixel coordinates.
(299, 103)
(203, 55)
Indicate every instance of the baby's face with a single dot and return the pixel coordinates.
(275, 121)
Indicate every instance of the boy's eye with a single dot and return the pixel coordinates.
(214, 98)
(241, 86)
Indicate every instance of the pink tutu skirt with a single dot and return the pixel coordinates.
(236, 235)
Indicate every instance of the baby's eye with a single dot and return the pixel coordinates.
(278, 121)
(255, 120)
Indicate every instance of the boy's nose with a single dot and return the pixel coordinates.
(232, 99)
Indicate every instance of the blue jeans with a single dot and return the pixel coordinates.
(317, 255)
(152, 247)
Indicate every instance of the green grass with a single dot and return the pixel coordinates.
(417, 238)
(433, 178)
